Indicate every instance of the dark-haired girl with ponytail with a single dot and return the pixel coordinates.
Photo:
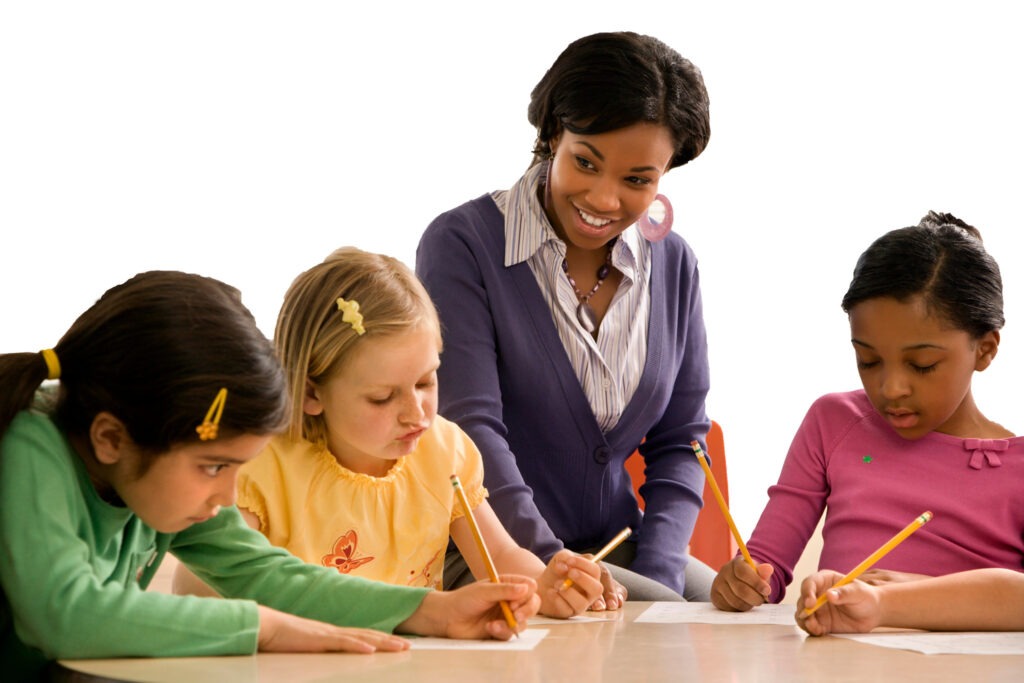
(925, 307)
(157, 394)
(573, 323)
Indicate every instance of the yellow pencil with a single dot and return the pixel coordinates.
(721, 503)
(603, 552)
(874, 557)
(492, 572)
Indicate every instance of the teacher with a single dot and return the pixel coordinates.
(572, 321)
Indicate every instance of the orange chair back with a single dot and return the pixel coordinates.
(712, 542)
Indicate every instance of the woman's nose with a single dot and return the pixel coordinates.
(604, 195)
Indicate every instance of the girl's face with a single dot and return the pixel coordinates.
(380, 402)
(187, 485)
(917, 368)
(601, 184)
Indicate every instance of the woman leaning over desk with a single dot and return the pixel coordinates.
(572, 322)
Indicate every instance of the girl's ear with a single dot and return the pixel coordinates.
(109, 438)
(311, 404)
(986, 349)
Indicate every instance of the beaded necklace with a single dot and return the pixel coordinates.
(584, 311)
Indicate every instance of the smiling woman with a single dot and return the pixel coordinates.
(573, 324)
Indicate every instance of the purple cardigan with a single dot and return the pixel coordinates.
(553, 477)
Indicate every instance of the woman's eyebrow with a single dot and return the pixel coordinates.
(600, 157)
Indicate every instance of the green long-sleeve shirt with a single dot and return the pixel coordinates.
(74, 568)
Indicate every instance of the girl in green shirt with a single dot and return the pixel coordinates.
(166, 388)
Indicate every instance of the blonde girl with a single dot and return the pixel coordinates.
(361, 481)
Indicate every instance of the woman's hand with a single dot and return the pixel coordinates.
(738, 588)
(613, 594)
(853, 608)
(586, 585)
(282, 632)
(473, 611)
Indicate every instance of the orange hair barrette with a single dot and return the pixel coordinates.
(208, 429)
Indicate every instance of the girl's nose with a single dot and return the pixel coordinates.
(895, 385)
(412, 411)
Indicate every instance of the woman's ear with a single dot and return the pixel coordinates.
(109, 438)
(311, 404)
(986, 348)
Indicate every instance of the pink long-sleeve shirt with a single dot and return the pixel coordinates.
(847, 460)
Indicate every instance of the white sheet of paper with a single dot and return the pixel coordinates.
(706, 613)
(975, 643)
(578, 619)
(527, 640)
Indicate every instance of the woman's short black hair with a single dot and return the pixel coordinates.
(608, 81)
(941, 259)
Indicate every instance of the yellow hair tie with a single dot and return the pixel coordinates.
(52, 364)
(208, 429)
(351, 315)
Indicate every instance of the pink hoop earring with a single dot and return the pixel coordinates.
(655, 231)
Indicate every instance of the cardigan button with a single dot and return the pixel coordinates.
(601, 454)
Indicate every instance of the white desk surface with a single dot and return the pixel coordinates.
(615, 650)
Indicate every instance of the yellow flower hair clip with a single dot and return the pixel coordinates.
(208, 429)
(350, 314)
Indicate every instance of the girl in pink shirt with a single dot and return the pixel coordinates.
(925, 309)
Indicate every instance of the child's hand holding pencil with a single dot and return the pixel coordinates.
(569, 584)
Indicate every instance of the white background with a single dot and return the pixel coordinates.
(246, 140)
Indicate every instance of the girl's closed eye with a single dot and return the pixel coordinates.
(379, 400)
(924, 369)
(866, 364)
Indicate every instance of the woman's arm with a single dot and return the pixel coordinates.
(451, 261)
(674, 482)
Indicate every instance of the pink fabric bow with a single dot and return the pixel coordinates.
(987, 449)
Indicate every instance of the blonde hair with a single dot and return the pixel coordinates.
(312, 339)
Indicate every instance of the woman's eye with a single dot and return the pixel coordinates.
(379, 401)
(638, 180)
(583, 162)
(213, 470)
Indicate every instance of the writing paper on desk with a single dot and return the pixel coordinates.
(973, 643)
(706, 613)
(578, 619)
(527, 640)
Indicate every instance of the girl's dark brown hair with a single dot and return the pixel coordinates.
(941, 259)
(608, 81)
(154, 352)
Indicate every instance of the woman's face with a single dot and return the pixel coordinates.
(601, 184)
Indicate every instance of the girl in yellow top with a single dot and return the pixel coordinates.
(361, 482)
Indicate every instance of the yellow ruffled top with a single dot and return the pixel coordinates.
(393, 528)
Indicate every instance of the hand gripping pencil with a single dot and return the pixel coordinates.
(603, 552)
(874, 557)
(721, 503)
(492, 572)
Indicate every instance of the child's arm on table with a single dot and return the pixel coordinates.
(508, 557)
(738, 587)
(184, 582)
(977, 600)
